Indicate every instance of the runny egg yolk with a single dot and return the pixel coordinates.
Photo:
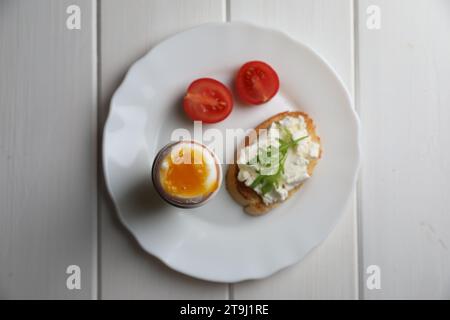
(187, 174)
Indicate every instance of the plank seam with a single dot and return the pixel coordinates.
(227, 10)
(100, 188)
(359, 237)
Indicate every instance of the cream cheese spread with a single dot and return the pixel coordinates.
(277, 161)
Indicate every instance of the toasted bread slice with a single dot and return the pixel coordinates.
(246, 196)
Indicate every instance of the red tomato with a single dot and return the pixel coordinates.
(256, 82)
(207, 100)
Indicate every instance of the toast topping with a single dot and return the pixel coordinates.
(277, 161)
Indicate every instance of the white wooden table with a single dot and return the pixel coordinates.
(55, 87)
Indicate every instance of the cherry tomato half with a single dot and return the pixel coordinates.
(256, 82)
(207, 100)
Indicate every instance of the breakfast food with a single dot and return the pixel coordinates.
(207, 100)
(186, 174)
(256, 82)
(274, 162)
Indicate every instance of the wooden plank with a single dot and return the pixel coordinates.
(129, 30)
(404, 101)
(48, 137)
(330, 271)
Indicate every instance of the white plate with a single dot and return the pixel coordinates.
(218, 241)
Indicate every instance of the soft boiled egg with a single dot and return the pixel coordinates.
(186, 174)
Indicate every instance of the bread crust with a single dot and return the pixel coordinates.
(246, 196)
